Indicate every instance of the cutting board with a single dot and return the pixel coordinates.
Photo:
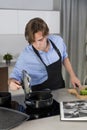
(76, 93)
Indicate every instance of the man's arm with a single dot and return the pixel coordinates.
(74, 80)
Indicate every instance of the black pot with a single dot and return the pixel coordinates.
(5, 99)
(39, 99)
(35, 99)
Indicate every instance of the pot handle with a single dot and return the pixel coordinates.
(29, 102)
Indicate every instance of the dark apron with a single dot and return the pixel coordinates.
(54, 71)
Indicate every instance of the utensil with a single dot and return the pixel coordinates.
(26, 82)
(78, 90)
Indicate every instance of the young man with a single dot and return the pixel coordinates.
(42, 59)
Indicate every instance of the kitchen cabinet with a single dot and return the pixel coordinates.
(14, 21)
(4, 78)
(5, 71)
(52, 18)
(8, 22)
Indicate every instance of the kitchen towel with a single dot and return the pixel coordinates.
(10, 118)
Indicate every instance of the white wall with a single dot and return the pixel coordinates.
(11, 44)
(56, 4)
(27, 4)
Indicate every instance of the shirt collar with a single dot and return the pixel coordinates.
(51, 47)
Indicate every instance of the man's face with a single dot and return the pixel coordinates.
(40, 41)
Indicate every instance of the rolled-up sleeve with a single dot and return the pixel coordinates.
(65, 54)
(17, 70)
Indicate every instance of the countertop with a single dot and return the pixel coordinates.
(54, 122)
(3, 64)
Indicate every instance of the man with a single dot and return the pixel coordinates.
(42, 59)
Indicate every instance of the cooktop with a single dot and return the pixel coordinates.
(37, 113)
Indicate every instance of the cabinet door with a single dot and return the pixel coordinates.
(14, 21)
(52, 18)
(8, 22)
(3, 78)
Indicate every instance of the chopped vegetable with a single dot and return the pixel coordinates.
(83, 91)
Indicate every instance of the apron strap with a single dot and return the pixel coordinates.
(38, 55)
(56, 49)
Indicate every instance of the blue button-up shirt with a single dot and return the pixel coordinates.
(30, 62)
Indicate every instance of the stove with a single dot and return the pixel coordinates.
(44, 112)
(37, 113)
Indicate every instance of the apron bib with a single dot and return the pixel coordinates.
(54, 71)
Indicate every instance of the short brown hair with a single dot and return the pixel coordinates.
(33, 26)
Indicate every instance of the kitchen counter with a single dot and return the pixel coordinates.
(54, 122)
(3, 64)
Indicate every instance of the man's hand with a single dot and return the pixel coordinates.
(14, 84)
(76, 82)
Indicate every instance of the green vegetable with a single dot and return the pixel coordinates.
(83, 92)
